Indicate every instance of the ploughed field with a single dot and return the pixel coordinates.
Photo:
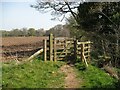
(16, 48)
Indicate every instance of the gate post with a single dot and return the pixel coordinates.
(65, 46)
(51, 47)
(54, 49)
(75, 48)
(45, 49)
(82, 52)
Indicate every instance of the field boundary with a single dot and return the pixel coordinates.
(58, 48)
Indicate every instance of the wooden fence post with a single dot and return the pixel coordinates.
(82, 52)
(54, 49)
(89, 52)
(75, 48)
(51, 47)
(65, 46)
(45, 49)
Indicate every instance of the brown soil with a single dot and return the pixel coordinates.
(70, 80)
(19, 47)
(10, 41)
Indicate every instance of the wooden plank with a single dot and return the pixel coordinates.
(58, 48)
(45, 49)
(70, 42)
(63, 52)
(86, 47)
(70, 39)
(54, 50)
(60, 38)
(66, 47)
(35, 54)
(86, 52)
(61, 48)
(60, 45)
(87, 42)
(85, 60)
(61, 56)
(60, 59)
(86, 55)
(51, 46)
(60, 52)
(75, 48)
(89, 53)
(82, 52)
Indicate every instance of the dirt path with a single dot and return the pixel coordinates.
(70, 79)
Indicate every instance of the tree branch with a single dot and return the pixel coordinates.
(71, 11)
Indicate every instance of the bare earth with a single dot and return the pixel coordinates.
(20, 47)
(10, 41)
(70, 80)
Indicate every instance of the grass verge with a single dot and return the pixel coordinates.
(36, 74)
(93, 77)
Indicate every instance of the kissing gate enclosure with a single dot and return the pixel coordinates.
(62, 47)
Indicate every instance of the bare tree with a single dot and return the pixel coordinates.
(58, 8)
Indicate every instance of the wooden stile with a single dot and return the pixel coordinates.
(60, 47)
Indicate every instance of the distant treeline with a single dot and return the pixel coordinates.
(58, 30)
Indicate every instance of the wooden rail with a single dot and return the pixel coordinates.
(58, 48)
(35, 54)
(84, 49)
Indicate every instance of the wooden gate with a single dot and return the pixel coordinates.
(61, 47)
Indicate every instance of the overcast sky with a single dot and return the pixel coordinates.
(19, 14)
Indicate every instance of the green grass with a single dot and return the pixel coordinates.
(0, 74)
(93, 77)
(36, 74)
(40, 74)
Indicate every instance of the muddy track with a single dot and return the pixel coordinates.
(70, 80)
